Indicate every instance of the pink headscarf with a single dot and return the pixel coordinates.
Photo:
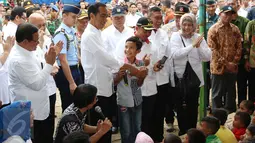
(143, 138)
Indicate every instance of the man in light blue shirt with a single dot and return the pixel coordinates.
(68, 76)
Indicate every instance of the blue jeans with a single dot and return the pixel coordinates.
(130, 119)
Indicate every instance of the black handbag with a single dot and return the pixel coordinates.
(188, 81)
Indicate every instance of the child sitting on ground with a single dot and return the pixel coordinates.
(209, 126)
(172, 138)
(247, 106)
(194, 136)
(224, 134)
(249, 136)
(241, 122)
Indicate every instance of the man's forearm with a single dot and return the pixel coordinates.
(67, 71)
(90, 129)
(96, 137)
(3, 57)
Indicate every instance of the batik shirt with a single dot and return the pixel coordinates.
(72, 120)
(226, 44)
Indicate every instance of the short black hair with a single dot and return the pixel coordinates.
(136, 40)
(25, 31)
(132, 4)
(153, 9)
(76, 137)
(7, 17)
(30, 11)
(94, 8)
(212, 123)
(251, 128)
(245, 118)
(17, 11)
(172, 138)
(248, 105)
(196, 136)
(221, 114)
(84, 95)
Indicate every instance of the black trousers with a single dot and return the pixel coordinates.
(159, 110)
(43, 130)
(252, 85)
(63, 85)
(106, 105)
(223, 86)
(169, 111)
(148, 114)
(186, 115)
(242, 79)
(115, 118)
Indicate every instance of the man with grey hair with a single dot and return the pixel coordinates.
(39, 21)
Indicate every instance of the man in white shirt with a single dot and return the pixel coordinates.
(159, 40)
(98, 64)
(132, 17)
(18, 16)
(111, 36)
(44, 43)
(4, 54)
(117, 31)
(28, 79)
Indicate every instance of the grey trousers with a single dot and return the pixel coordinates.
(223, 86)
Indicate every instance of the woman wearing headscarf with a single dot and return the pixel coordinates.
(187, 52)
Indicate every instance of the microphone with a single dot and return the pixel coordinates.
(99, 111)
(125, 79)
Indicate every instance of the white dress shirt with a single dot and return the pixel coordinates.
(4, 94)
(111, 36)
(131, 19)
(181, 54)
(160, 41)
(27, 80)
(97, 62)
(40, 53)
(149, 86)
(10, 29)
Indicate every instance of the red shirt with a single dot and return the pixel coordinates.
(238, 132)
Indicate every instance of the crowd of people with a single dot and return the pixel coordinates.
(130, 66)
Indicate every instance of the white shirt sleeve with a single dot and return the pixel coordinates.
(204, 51)
(30, 76)
(176, 43)
(101, 55)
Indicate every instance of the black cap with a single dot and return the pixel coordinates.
(181, 8)
(72, 8)
(28, 4)
(227, 9)
(145, 23)
(210, 2)
(118, 11)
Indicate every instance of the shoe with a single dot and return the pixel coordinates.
(170, 127)
(114, 130)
